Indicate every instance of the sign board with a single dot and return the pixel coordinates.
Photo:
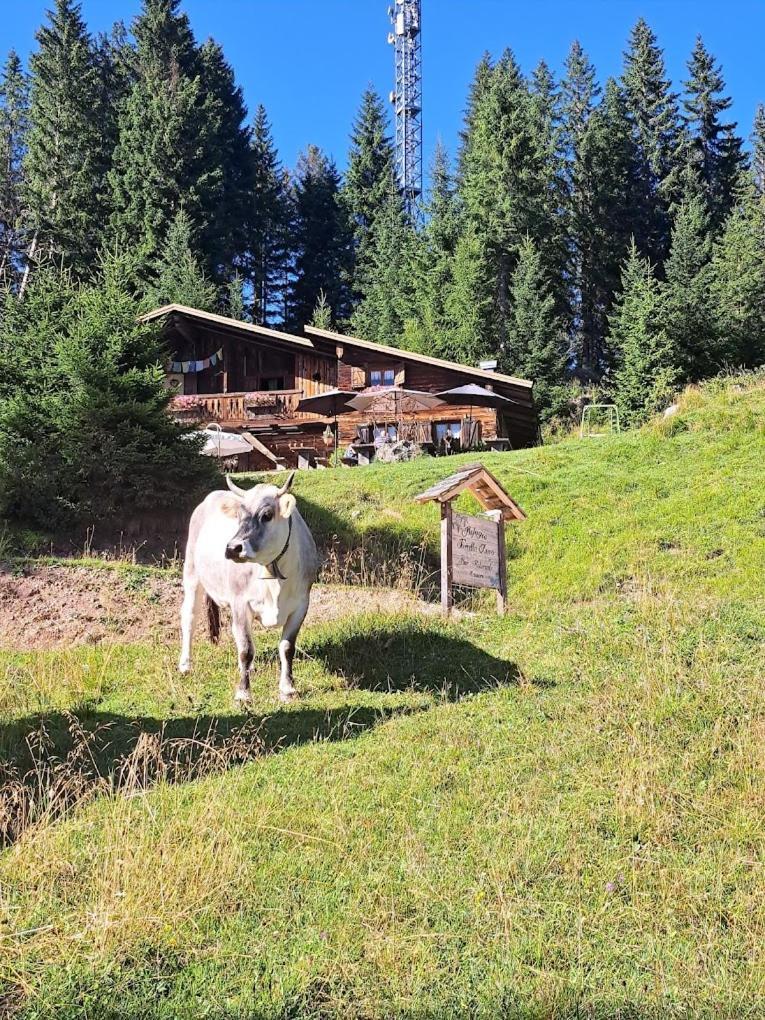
(473, 548)
(475, 551)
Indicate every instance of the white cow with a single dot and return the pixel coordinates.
(249, 550)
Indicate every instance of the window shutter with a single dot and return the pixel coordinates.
(358, 379)
(400, 374)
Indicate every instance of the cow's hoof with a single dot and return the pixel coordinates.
(242, 696)
(286, 696)
(184, 666)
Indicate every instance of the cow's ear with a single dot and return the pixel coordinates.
(231, 506)
(286, 504)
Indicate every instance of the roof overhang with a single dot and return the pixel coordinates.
(426, 359)
(246, 330)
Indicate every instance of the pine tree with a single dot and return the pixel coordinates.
(367, 183)
(268, 225)
(14, 111)
(536, 346)
(321, 240)
(686, 309)
(227, 165)
(738, 284)
(661, 145)
(180, 278)
(716, 148)
(645, 371)
(389, 294)
(68, 155)
(758, 148)
(602, 178)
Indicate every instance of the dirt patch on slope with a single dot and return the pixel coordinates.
(59, 606)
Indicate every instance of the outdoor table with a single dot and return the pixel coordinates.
(499, 445)
(366, 453)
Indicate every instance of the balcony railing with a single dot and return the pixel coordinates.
(235, 407)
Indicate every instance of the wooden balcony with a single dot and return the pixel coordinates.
(235, 408)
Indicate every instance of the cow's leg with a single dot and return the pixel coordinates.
(193, 597)
(287, 652)
(240, 626)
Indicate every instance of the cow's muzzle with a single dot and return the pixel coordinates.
(235, 551)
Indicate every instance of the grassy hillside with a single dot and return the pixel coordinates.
(557, 814)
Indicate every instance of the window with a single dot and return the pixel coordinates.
(440, 428)
(382, 377)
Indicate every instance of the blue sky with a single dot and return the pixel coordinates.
(309, 60)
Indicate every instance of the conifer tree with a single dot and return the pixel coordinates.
(579, 95)
(758, 149)
(68, 154)
(505, 189)
(535, 347)
(321, 240)
(180, 278)
(227, 170)
(14, 111)
(719, 158)
(236, 307)
(322, 313)
(469, 303)
(602, 176)
(482, 79)
(660, 142)
(268, 225)
(367, 182)
(645, 371)
(686, 309)
(738, 284)
(389, 294)
(431, 329)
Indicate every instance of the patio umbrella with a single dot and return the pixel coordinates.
(475, 396)
(332, 402)
(395, 401)
(223, 444)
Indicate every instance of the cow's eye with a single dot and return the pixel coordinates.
(267, 515)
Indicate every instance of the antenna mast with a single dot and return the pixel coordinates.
(405, 18)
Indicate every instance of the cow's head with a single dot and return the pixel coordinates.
(264, 527)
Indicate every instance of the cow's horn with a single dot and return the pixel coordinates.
(241, 493)
(287, 485)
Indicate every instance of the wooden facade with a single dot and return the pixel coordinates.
(263, 374)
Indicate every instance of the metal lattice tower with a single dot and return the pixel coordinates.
(407, 98)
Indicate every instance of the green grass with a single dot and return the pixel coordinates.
(557, 814)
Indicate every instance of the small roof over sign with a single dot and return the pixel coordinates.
(484, 486)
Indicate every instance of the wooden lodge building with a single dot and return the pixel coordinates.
(250, 379)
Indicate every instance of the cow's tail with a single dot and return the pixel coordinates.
(213, 619)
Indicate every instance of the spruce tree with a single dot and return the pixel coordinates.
(236, 306)
(686, 308)
(431, 329)
(645, 372)
(602, 177)
(14, 110)
(482, 79)
(738, 284)
(91, 438)
(68, 154)
(227, 170)
(321, 240)
(660, 142)
(367, 182)
(469, 303)
(388, 300)
(758, 149)
(268, 225)
(322, 313)
(507, 190)
(579, 95)
(180, 278)
(717, 150)
(535, 347)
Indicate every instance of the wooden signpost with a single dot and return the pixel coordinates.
(473, 547)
